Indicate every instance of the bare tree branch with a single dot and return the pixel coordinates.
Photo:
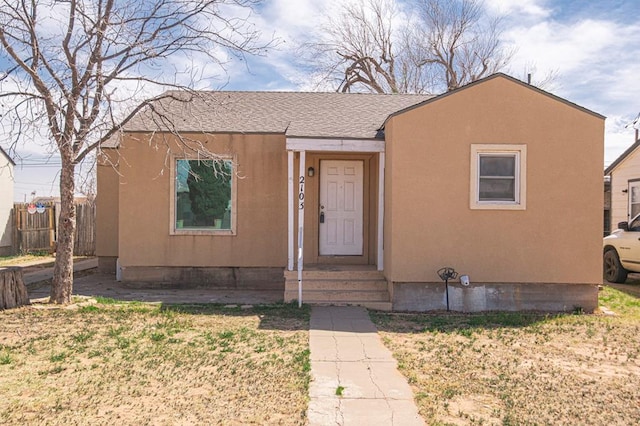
(358, 49)
(434, 46)
(459, 42)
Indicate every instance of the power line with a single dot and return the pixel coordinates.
(29, 166)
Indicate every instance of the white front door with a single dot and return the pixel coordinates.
(341, 207)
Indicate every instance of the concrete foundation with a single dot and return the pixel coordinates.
(193, 277)
(107, 264)
(547, 297)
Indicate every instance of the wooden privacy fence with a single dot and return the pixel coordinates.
(36, 224)
(85, 243)
(35, 228)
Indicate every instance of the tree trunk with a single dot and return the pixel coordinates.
(62, 284)
(13, 292)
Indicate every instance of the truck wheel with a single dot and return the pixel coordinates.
(613, 270)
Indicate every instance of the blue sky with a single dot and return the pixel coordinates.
(592, 46)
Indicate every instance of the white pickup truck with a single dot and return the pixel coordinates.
(621, 251)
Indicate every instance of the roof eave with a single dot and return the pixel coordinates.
(491, 77)
(621, 158)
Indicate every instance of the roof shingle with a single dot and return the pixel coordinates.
(296, 114)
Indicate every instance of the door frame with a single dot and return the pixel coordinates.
(312, 212)
(630, 182)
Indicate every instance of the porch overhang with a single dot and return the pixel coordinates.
(296, 198)
(335, 145)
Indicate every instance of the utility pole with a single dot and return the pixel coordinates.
(636, 125)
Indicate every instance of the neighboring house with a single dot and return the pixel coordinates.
(607, 206)
(624, 175)
(6, 203)
(365, 197)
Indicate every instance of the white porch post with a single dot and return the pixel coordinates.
(301, 184)
(290, 224)
(381, 168)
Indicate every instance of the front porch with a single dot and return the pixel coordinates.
(338, 192)
(341, 285)
(353, 204)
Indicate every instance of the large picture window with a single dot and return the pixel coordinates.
(203, 195)
(498, 177)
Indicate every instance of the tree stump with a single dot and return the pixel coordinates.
(13, 292)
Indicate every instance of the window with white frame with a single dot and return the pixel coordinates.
(203, 196)
(498, 176)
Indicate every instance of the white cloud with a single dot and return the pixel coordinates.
(292, 19)
(531, 8)
(619, 137)
(595, 59)
(291, 22)
(565, 47)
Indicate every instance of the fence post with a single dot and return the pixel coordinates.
(52, 237)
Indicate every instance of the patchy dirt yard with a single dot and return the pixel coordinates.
(516, 369)
(105, 363)
(27, 260)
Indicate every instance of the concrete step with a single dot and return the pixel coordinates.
(333, 285)
(339, 296)
(355, 274)
(340, 286)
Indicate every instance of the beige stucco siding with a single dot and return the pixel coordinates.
(628, 169)
(6, 201)
(144, 200)
(429, 223)
(107, 204)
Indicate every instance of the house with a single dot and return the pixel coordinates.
(606, 227)
(624, 185)
(362, 198)
(6, 203)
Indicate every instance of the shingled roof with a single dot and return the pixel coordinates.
(296, 114)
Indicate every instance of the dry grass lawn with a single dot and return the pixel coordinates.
(520, 369)
(134, 363)
(26, 259)
(108, 363)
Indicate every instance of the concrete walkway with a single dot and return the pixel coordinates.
(348, 358)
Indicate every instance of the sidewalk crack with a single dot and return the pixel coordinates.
(340, 413)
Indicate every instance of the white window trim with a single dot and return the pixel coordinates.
(172, 199)
(520, 152)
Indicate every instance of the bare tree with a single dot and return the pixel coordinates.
(357, 48)
(74, 67)
(456, 42)
(434, 46)
(367, 50)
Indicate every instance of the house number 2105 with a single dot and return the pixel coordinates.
(301, 194)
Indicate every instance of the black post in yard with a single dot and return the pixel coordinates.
(446, 289)
(445, 275)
